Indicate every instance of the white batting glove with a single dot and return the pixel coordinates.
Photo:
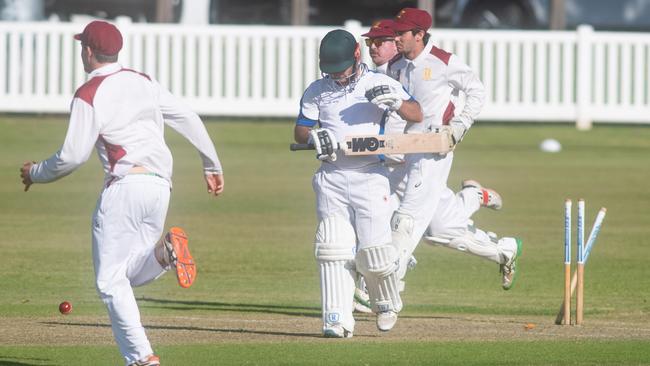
(384, 95)
(324, 143)
(458, 130)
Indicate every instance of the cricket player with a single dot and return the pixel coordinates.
(452, 220)
(435, 78)
(380, 40)
(352, 193)
(122, 113)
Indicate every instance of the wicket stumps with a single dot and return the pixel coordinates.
(583, 250)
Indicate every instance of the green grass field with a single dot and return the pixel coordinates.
(256, 299)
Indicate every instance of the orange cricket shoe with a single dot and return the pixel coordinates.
(176, 245)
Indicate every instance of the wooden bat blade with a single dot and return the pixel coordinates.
(438, 141)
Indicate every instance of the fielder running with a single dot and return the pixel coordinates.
(122, 113)
(436, 77)
(452, 219)
(352, 193)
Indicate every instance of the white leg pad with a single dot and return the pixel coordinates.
(335, 244)
(402, 235)
(379, 267)
(477, 242)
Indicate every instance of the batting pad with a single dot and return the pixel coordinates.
(335, 240)
(402, 231)
(476, 242)
(337, 293)
(379, 268)
(335, 243)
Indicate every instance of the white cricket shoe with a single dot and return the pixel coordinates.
(386, 320)
(336, 331)
(509, 270)
(151, 360)
(361, 300)
(488, 197)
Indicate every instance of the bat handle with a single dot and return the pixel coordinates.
(297, 147)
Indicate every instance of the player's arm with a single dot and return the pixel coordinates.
(183, 120)
(308, 115)
(389, 93)
(461, 77)
(80, 139)
(304, 132)
(411, 111)
(301, 134)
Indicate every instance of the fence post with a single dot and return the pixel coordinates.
(583, 82)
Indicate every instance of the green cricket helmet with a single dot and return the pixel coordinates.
(337, 51)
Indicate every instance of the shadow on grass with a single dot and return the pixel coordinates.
(15, 361)
(310, 312)
(191, 328)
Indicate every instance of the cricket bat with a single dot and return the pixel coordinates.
(437, 141)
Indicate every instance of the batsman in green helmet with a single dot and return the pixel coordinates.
(352, 192)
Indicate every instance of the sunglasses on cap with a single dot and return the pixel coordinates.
(378, 41)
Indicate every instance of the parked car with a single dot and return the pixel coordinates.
(138, 10)
(619, 15)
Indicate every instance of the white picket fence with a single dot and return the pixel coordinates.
(581, 76)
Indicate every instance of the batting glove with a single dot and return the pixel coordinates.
(324, 143)
(458, 131)
(384, 95)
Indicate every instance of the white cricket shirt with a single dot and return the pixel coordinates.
(435, 78)
(346, 111)
(122, 114)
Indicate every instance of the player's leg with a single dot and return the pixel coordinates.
(426, 181)
(486, 197)
(116, 225)
(451, 227)
(361, 301)
(397, 180)
(376, 257)
(335, 243)
(153, 260)
(469, 239)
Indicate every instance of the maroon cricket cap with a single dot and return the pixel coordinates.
(381, 28)
(102, 37)
(412, 18)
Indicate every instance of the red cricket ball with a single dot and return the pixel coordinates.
(65, 308)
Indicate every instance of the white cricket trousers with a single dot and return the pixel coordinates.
(426, 181)
(354, 212)
(361, 197)
(128, 221)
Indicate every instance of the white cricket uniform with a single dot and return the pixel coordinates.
(435, 79)
(352, 191)
(122, 114)
(452, 218)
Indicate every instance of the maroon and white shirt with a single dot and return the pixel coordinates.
(435, 78)
(122, 114)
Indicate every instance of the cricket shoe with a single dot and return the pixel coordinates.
(336, 331)
(386, 320)
(179, 256)
(509, 270)
(152, 360)
(488, 197)
(361, 300)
